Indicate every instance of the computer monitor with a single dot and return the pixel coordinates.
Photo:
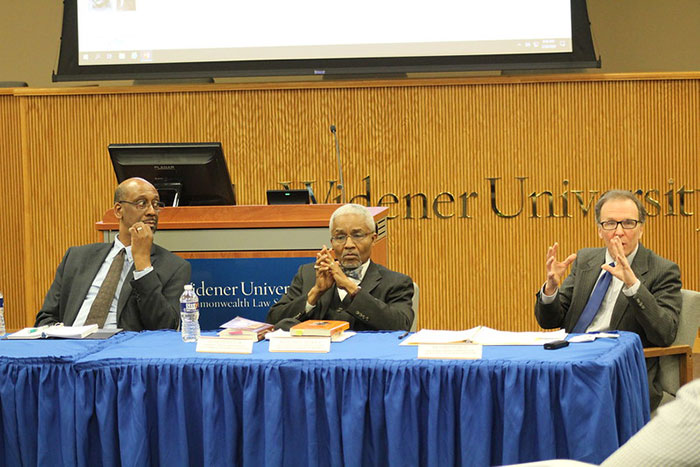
(288, 197)
(185, 174)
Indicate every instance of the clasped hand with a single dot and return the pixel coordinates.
(328, 272)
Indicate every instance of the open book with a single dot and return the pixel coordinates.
(56, 330)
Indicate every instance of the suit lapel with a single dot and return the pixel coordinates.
(640, 267)
(125, 292)
(372, 278)
(83, 280)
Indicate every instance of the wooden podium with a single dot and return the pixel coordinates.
(244, 257)
(248, 231)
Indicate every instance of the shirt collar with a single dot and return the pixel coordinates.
(609, 259)
(119, 246)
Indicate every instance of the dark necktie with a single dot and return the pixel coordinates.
(594, 302)
(105, 296)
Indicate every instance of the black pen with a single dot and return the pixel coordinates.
(404, 335)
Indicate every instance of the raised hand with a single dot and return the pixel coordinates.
(622, 269)
(324, 276)
(555, 269)
(141, 243)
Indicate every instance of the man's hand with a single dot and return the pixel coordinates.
(341, 280)
(141, 243)
(555, 269)
(622, 269)
(324, 277)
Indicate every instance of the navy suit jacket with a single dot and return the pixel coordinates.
(152, 302)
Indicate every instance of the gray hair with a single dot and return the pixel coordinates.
(620, 194)
(353, 209)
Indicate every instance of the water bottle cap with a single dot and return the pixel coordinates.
(188, 286)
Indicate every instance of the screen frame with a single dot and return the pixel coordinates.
(141, 159)
(582, 56)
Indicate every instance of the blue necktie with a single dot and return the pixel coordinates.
(353, 273)
(594, 303)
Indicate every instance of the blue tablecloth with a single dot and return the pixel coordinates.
(151, 399)
(37, 407)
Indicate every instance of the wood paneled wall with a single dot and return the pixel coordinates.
(573, 136)
(12, 218)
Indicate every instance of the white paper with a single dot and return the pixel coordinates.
(450, 351)
(300, 344)
(591, 337)
(483, 335)
(488, 336)
(213, 344)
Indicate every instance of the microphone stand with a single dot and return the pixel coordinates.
(341, 185)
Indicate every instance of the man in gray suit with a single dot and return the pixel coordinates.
(643, 291)
(149, 282)
(344, 284)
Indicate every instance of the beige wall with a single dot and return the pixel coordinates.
(630, 35)
(567, 137)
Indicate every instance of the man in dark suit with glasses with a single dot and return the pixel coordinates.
(344, 284)
(131, 283)
(623, 286)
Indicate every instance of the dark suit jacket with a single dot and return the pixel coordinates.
(151, 302)
(652, 312)
(384, 301)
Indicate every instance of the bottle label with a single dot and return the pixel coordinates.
(189, 307)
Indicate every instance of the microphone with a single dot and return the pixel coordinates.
(312, 196)
(341, 185)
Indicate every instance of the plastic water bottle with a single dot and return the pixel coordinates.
(189, 314)
(2, 315)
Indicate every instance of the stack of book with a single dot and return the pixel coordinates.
(246, 329)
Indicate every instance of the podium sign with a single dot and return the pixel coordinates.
(247, 287)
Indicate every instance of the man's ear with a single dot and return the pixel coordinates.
(118, 211)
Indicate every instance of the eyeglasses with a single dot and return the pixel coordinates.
(340, 239)
(627, 224)
(143, 204)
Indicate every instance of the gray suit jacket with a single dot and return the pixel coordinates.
(151, 302)
(652, 312)
(384, 301)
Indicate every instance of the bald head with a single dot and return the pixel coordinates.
(130, 185)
